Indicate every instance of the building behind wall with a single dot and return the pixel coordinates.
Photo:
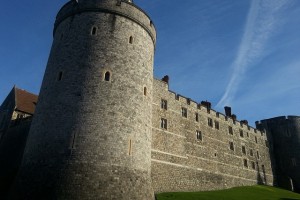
(15, 118)
(284, 134)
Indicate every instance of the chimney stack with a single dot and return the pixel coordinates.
(227, 111)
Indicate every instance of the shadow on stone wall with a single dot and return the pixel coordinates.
(12, 147)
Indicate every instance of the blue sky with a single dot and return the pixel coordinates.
(240, 53)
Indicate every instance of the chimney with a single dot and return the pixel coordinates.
(206, 104)
(233, 116)
(227, 111)
(245, 122)
(165, 79)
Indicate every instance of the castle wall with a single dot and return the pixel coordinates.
(284, 135)
(181, 162)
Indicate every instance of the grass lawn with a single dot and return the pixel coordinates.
(240, 193)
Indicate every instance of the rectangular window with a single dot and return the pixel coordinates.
(263, 168)
(197, 117)
(244, 150)
(257, 154)
(255, 139)
(184, 112)
(164, 104)
(241, 133)
(199, 135)
(230, 130)
(253, 165)
(231, 146)
(267, 143)
(245, 163)
(217, 125)
(163, 123)
(210, 122)
(251, 152)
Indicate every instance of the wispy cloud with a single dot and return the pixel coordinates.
(262, 21)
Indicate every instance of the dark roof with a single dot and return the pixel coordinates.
(25, 101)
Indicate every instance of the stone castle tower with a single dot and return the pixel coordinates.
(91, 134)
(284, 136)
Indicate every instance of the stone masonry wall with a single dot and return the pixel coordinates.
(181, 162)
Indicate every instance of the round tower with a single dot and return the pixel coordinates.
(91, 134)
(284, 137)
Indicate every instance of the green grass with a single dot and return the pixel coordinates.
(240, 193)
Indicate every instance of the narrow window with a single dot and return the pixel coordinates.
(163, 123)
(217, 125)
(94, 31)
(253, 165)
(73, 139)
(199, 135)
(267, 143)
(231, 146)
(130, 39)
(164, 104)
(255, 139)
(244, 150)
(257, 154)
(197, 117)
(107, 76)
(184, 112)
(247, 134)
(130, 148)
(60, 75)
(230, 130)
(263, 168)
(251, 152)
(145, 91)
(241, 133)
(210, 122)
(245, 163)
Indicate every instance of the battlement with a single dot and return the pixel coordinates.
(205, 106)
(117, 7)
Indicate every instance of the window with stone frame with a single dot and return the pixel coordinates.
(164, 123)
(251, 152)
(230, 130)
(199, 135)
(164, 104)
(244, 150)
(257, 155)
(94, 30)
(184, 112)
(245, 163)
(60, 76)
(231, 146)
(255, 139)
(210, 122)
(267, 143)
(107, 76)
(197, 117)
(217, 125)
(253, 164)
(241, 133)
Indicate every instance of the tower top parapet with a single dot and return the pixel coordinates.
(124, 8)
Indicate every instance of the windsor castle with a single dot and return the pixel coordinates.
(105, 128)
